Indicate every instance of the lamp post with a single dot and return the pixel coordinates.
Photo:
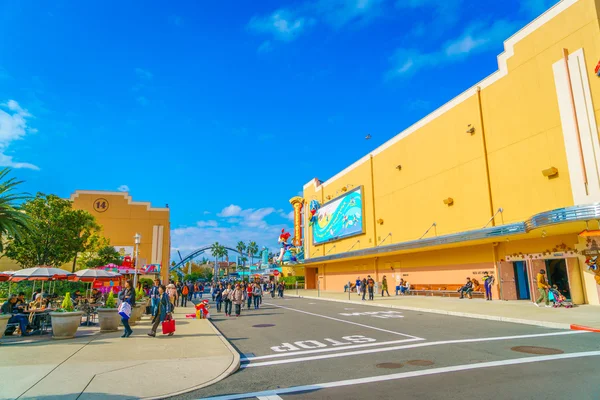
(137, 239)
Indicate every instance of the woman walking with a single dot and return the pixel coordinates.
(384, 287)
(172, 292)
(249, 291)
(128, 296)
(219, 297)
(164, 309)
(257, 295)
(227, 295)
(237, 297)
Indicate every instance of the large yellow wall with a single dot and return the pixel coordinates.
(522, 121)
(124, 218)
(518, 124)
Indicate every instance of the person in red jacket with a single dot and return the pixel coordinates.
(249, 293)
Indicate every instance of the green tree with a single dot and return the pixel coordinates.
(56, 233)
(104, 255)
(241, 247)
(252, 250)
(13, 222)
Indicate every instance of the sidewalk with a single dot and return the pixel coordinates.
(105, 366)
(521, 312)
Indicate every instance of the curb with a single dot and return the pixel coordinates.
(553, 325)
(584, 328)
(233, 367)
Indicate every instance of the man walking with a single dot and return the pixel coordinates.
(371, 287)
(542, 285)
(358, 285)
(184, 295)
(154, 296)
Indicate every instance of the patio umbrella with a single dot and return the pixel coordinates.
(5, 275)
(40, 274)
(90, 275)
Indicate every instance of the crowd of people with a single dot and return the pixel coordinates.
(240, 294)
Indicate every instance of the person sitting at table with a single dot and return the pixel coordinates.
(21, 304)
(96, 295)
(37, 294)
(76, 296)
(9, 308)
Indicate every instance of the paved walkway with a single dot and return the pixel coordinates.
(522, 312)
(105, 366)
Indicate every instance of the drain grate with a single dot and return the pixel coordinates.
(420, 363)
(536, 350)
(263, 325)
(390, 365)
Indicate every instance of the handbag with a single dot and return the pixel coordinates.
(168, 325)
(125, 310)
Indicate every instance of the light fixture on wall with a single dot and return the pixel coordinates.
(380, 221)
(328, 197)
(344, 189)
(470, 129)
(449, 201)
(550, 172)
(399, 167)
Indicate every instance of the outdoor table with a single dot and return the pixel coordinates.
(40, 320)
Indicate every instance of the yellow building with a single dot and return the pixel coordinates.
(502, 178)
(121, 218)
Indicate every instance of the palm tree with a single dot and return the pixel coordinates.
(215, 250)
(12, 220)
(252, 250)
(243, 259)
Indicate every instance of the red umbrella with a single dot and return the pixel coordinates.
(40, 274)
(90, 275)
(5, 275)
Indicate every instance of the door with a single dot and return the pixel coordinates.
(521, 280)
(557, 275)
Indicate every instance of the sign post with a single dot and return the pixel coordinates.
(296, 288)
(349, 290)
(319, 288)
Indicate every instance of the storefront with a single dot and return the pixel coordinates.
(501, 179)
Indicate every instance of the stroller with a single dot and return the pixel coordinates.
(558, 299)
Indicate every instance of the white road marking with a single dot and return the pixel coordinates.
(346, 322)
(404, 375)
(327, 350)
(409, 346)
(271, 397)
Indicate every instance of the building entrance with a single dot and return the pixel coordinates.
(521, 280)
(556, 271)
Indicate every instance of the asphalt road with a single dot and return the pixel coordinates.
(311, 349)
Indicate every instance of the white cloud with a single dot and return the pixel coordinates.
(265, 47)
(13, 126)
(282, 25)
(204, 224)
(123, 188)
(342, 12)
(230, 211)
(206, 212)
(143, 73)
(475, 38)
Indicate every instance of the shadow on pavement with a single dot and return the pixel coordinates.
(80, 395)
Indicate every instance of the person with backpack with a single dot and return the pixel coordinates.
(184, 295)
(370, 287)
(256, 295)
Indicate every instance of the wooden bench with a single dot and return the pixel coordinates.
(444, 290)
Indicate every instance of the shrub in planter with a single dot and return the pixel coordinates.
(65, 320)
(108, 315)
(3, 322)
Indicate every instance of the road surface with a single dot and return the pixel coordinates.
(310, 349)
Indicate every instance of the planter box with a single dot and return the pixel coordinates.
(136, 314)
(3, 322)
(65, 324)
(109, 319)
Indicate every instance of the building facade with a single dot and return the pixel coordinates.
(504, 178)
(121, 218)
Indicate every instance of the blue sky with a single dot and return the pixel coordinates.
(225, 109)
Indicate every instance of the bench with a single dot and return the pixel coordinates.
(444, 290)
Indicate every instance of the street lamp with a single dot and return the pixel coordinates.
(137, 239)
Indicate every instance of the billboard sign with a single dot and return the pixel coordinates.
(340, 218)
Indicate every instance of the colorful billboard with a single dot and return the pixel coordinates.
(340, 218)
